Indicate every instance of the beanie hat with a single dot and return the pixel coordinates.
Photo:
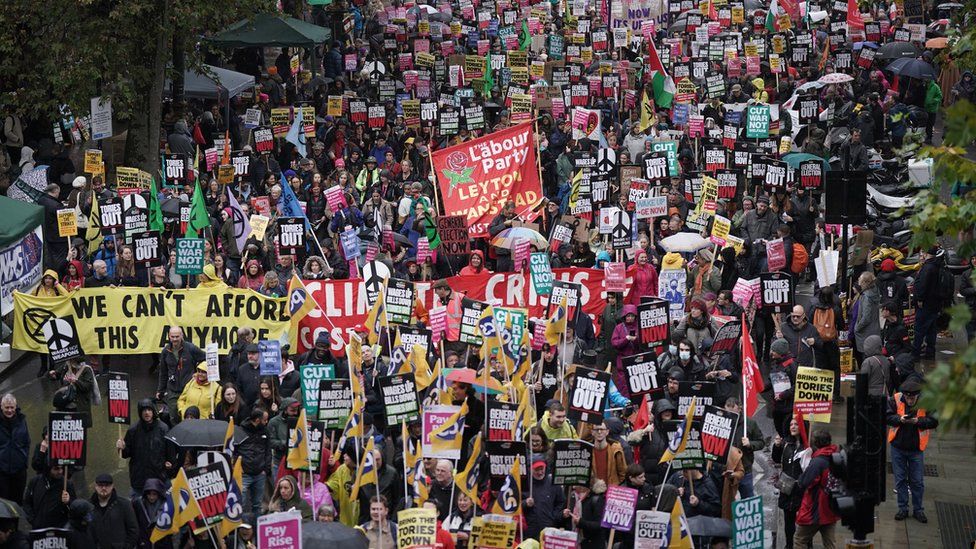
(780, 347)
(763, 200)
(888, 265)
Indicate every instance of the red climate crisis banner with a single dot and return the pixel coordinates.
(344, 301)
(477, 177)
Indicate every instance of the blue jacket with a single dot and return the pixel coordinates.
(14, 444)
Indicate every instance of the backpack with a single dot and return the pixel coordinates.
(947, 287)
(825, 323)
(800, 258)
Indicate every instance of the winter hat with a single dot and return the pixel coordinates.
(780, 347)
(763, 200)
(888, 266)
(79, 182)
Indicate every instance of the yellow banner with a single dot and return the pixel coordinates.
(137, 320)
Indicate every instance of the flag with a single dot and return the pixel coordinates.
(376, 319)
(643, 416)
(509, 500)
(680, 437)
(234, 505)
(556, 324)
(574, 189)
(679, 535)
(803, 429)
(661, 81)
(300, 303)
(155, 210)
(93, 233)
(296, 134)
(647, 113)
(417, 363)
(488, 80)
(525, 416)
(229, 438)
(199, 217)
(855, 21)
(242, 225)
(298, 444)
(824, 57)
(176, 511)
(431, 232)
(354, 423)
(447, 436)
(467, 480)
(366, 472)
(421, 487)
(526, 37)
(752, 383)
(413, 463)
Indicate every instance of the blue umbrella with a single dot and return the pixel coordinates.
(859, 45)
(795, 158)
(912, 68)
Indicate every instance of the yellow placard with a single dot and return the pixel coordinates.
(735, 242)
(126, 177)
(517, 58)
(493, 534)
(112, 321)
(779, 44)
(334, 106)
(294, 64)
(423, 27)
(67, 222)
(784, 144)
(709, 195)
(846, 360)
(586, 54)
(424, 59)
(280, 120)
(721, 227)
(738, 15)
(520, 75)
(416, 528)
(259, 224)
(93, 161)
(752, 50)
(225, 174)
(537, 69)
(813, 395)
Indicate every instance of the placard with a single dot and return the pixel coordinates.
(501, 458)
(471, 312)
(67, 222)
(757, 121)
(747, 523)
(813, 396)
(812, 174)
(453, 230)
(541, 273)
(726, 338)
(209, 487)
(279, 530)
(334, 402)
(651, 207)
(702, 392)
(718, 429)
(775, 254)
(399, 301)
(110, 215)
(572, 462)
(619, 507)
(270, 359)
(588, 395)
(501, 420)
(399, 398)
(291, 235)
(176, 166)
(416, 528)
(672, 284)
(93, 161)
(653, 323)
(776, 292)
(653, 528)
(63, 342)
(692, 457)
(146, 248)
(118, 398)
(66, 438)
(190, 256)
(642, 374)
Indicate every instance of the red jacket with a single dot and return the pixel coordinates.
(815, 507)
(645, 282)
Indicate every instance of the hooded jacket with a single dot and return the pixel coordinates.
(469, 269)
(815, 507)
(255, 450)
(892, 288)
(180, 141)
(176, 369)
(645, 280)
(202, 395)
(295, 501)
(42, 501)
(547, 509)
(278, 430)
(53, 291)
(624, 347)
(146, 512)
(876, 366)
(114, 525)
(868, 322)
(307, 268)
(145, 448)
(760, 94)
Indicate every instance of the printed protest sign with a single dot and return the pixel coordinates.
(312, 375)
(399, 301)
(213, 362)
(702, 392)
(63, 342)
(572, 462)
(541, 273)
(432, 418)
(651, 206)
(652, 530)
(175, 166)
(692, 457)
(642, 374)
(334, 402)
(270, 359)
(501, 419)
(726, 337)
(399, 398)
(471, 312)
(110, 215)
(813, 396)
(189, 256)
(757, 121)
(618, 511)
(716, 434)
(776, 291)
(453, 230)
(67, 222)
(747, 523)
(811, 174)
(51, 538)
(554, 538)
(501, 457)
(118, 398)
(416, 528)
(720, 230)
(278, 530)
(66, 438)
(147, 248)
(93, 161)
(776, 254)
(209, 488)
(615, 277)
(589, 395)
(291, 235)
(672, 286)
(653, 323)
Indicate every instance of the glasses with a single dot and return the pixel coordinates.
(599, 429)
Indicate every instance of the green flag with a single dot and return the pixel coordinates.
(489, 78)
(430, 231)
(155, 212)
(199, 218)
(526, 37)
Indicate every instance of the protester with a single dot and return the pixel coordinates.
(909, 428)
(816, 514)
(15, 447)
(114, 522)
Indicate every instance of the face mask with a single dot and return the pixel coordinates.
(673, 349)
(684, 355)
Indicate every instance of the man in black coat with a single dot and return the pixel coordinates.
(57, 245)
(46, 499)
(255, 454)
(927, 297)
(113, 522)
(504, 220)
(145, 447)
(177, 362)
(14, 450)
(543, 501)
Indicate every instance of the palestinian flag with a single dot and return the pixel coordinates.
(664, 89)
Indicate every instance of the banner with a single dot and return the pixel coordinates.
(278, 530)
(137, 320)
(477, 177)
(312, 376)
(588, 396)
(66, 438)
(747, 523)
(399, 398)
(209, 488)
(20, 268)
(118, 398)
(416, 528)
(813, 396)
(717, 431)
(618, 511)
(572, 463)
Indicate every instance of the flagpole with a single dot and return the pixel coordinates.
(407, 500)
(660, 490)
(745, 399)
(311, 473)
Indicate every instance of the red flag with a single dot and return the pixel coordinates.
(643, 416)
(751, 377)
(803, 429)
(855, 21)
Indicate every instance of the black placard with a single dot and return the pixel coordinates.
(588, 396)
(718, 428)
(209, 488)
(334, 402)
(146, 247)
(291, 235)
(501, 419)
(642, 374)
(726, 338)
(653, 322)
(399, 301)
(811, 174)
(176, 166)
(572, 462)
(118, 398)
(62, 339)
(110, 217)
(702, 391)
(66, 438)
(399, 398)
(471, 312)
(777, 292)
(501, 456)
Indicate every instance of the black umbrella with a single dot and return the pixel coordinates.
(9, 510)
(897, 50)
(715, 527)
(913, 68)
(332, 534)
(680, 23)
(202, 433)
(402, 240)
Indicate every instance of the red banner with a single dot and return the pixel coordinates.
(477, 177)
(344, 301)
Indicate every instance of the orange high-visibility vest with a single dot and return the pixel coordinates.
(923, 434)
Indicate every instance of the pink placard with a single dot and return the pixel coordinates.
(615, 277)
(335, 199)
(520, 253)
(438, 323)
(423, 250)
(776, 254)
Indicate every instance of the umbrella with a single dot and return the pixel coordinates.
(859, 45)
(937, 43)
(949, 6)
(507, 238)
(680, 23)
(429, 9)
(713, 527)
(813, 85)
(685, 242)
(471, 377)
(835, 78)
(795, 158)
(9, 510)
(913, 68)
(402, 240)
(897, 50)
(332, 534)
(202, 433)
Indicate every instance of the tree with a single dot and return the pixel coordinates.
(951, 386)
(61, 53)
